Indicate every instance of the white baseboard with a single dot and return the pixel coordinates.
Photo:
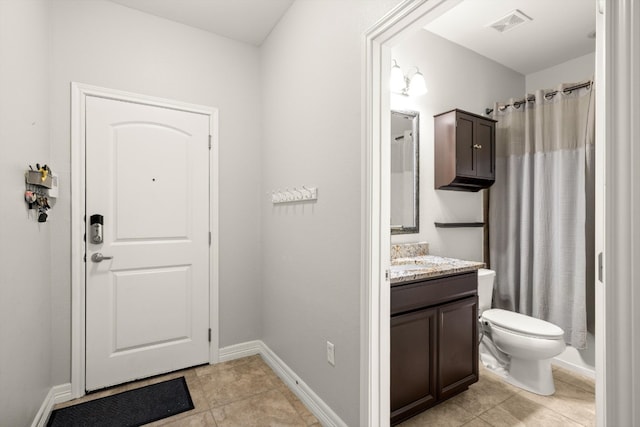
(62, 393)
(574, 367)
(237, 351)
(57, 394)
(316, 405)
(579, 361)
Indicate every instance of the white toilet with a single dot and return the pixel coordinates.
(516, 346)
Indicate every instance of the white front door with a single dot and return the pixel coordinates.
(147, 301)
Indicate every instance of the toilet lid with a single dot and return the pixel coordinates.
(522, 323)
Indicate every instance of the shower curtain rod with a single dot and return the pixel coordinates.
(547, 95)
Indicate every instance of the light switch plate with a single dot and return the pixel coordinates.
(331, 354)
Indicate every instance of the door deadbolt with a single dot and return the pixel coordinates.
(95, 224)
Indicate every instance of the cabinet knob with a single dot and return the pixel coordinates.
(477, 146)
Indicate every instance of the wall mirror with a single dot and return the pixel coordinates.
(404, 172)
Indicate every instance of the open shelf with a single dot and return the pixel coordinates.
(458, 224)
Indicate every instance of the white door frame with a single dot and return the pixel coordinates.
(79, 93)
(375, 293)
(618, 194)
(618, 295)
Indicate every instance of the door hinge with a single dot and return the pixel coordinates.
(209, 334)
(386, 274)
(209, 238)
(209, 142)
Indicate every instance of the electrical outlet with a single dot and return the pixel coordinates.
(331, 353)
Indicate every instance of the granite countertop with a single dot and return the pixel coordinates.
(428, 267)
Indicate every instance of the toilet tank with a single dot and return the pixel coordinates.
(485, 289)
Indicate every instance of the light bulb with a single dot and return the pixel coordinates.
(396, 79)
(417, 86)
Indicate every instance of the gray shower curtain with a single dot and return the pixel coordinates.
(540, 208)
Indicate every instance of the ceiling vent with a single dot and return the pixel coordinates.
(510, 21)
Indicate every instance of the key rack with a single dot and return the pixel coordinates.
(295, 195)
(41, 188)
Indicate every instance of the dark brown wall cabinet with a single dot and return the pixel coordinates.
(434, 335)
(464, 151)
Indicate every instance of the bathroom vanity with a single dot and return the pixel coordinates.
(434, 332)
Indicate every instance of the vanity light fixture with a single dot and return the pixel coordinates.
(407, 86)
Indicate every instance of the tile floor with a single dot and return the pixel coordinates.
(239, 393)
(493, 402)
(246, 393)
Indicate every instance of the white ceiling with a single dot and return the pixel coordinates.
(249, 21)
(557, 33)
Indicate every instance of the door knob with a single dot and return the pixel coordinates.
(98, 257)
(477, 146)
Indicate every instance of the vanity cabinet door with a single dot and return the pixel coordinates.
(457, 346)
(413, 363)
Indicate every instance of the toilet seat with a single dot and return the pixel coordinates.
(522, 324)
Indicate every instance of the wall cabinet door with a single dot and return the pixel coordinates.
(465, 153)
(413, 363)
(457, 346)
(485, 151)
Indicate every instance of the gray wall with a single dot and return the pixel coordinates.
(460, 78)
(105, 44)
(312, 81)
(573, 70)
(25, 245)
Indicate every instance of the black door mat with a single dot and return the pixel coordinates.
(129, 408)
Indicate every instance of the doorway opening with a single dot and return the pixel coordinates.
(397, 26)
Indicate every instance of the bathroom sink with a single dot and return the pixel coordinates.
(408, 267)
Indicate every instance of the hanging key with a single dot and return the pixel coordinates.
(42, 215)
(30, 198)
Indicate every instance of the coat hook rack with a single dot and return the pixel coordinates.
(294, 195)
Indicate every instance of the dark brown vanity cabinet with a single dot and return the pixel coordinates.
(434, 352)
(464, 151)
